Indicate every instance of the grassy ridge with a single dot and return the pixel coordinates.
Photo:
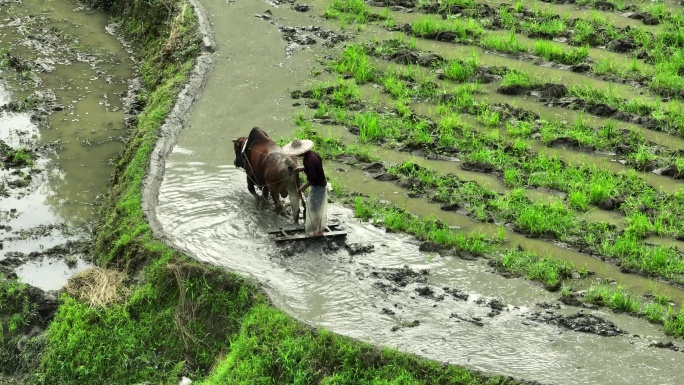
(271, 348)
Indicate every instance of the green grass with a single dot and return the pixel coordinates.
(614, 297)
(463, 28)
(271, 344)
(558, 53)
(351, 11)
(550, 272)
(426, 229)
(585, 184)
(15, 157)
(18, 313)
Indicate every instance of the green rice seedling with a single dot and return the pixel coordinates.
(508, 43)
(602, 187)
(518, 6)
(547, 27)
(662, 299)
(322, 111)
(372, 128)
(557, 53)
(346, 93)
(463, 99)
(642, 158)
(349, 11)
(463, 28)
(403, 108)
(501, 234)
(355, 61)
(550, 272)
(638, 224)
(512, 178)
(337, 186)
(519, 129)
(679, 164)
(578, 200)
(518, 78)
(614, 297)
(457, 71)
(654, 313)
(546, 219)
(423, 228)
(584, 33)
(674, 324)
(420, 133)
(508, 20)
(394, 86)
(426, 89)
(363, 210)
(488, 117)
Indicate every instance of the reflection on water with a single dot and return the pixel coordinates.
(49, 274)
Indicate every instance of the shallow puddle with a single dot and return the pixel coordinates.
(205, 208)
(50, 274)
(87, 68)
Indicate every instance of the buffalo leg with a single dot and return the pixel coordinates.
(250, 187)
(276, 200)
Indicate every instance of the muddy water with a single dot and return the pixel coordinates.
(356, 181)
(205, 209)
(87, 70)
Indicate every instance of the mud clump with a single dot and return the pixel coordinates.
(357, 248)
(301, 8)
(570, 143)
(513, 90)
(405, 325)
(430, 247)
(496, 306)
(473, 320)
(456, 293)
(425, 291)
(553, 90)
(400, 276)
(580, 322)
(666, 345)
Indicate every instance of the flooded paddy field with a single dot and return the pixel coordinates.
(64, 99)
(510, 177)
(509, 174)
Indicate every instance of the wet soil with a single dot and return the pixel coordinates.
(68, 104)
(579, 322)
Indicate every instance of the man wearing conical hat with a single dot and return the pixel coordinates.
(317, 201)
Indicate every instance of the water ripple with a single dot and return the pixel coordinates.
(208, 211)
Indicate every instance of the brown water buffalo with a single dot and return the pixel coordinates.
(268, 169)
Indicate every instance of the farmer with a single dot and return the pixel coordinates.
(317, 201)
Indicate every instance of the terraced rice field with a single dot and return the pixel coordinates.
(556, 127)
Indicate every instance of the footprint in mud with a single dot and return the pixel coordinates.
(580, 322)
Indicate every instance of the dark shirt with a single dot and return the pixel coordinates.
(313, 168)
